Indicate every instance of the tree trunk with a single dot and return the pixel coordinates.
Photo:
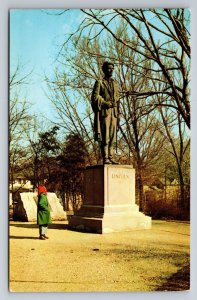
(181, 189)
(35, 173)
(139, 187)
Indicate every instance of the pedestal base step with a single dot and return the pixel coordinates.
(110, 223)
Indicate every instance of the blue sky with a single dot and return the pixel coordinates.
(35, 39)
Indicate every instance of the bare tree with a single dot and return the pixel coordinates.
(70, 95)
(139, 122)
(162, 36)
(152, 53)
(179, 141)
(18, 116)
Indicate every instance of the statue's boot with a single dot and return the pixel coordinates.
(111, 156)
(113, 162)
(106, 159)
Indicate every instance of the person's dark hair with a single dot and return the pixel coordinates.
(106, 64)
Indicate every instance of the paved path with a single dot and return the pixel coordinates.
(143, 260)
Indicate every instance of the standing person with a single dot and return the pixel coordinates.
(43, 212)
(105, 102)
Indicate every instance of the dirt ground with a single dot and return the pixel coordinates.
(70, 261)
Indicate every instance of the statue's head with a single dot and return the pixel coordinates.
(108, 68)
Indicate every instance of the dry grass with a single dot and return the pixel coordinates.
(144, 260)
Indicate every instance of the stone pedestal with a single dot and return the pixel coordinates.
(109, 201)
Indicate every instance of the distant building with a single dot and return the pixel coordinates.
(21, 182)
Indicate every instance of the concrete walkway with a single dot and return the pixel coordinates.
(143, 260)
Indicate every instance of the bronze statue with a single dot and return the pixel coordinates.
(105, 104)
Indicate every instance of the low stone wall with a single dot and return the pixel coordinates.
(25, 207)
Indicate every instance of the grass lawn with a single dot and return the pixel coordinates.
(143, 260)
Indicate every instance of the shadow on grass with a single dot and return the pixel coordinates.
(23, 237)
(179, 281)
(51, 226)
